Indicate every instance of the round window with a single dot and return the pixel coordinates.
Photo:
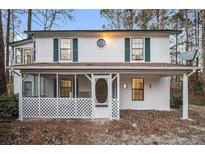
(101, 43)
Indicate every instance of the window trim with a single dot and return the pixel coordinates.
(143, 38)
(71, 49)
(137, 89)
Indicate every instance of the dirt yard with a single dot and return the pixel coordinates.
(135, 127)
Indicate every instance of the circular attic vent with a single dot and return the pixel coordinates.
(101, 43)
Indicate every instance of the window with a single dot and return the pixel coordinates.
(65, 49)
(19, 55)
(137, 89)
(27, 89)
(137, 49)
(27, 55)
(65, 88)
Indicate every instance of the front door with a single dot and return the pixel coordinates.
(102, 95)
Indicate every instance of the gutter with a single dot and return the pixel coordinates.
(105, 67)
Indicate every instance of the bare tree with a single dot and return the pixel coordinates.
(129, 18)
(48, 18)
(2, 61)
(29, 21)
(7, 43)
(203, 45)
(115, 18)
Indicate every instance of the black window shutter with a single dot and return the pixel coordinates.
(147, 49)
(127, 49)
(75, 49)
(55, 50)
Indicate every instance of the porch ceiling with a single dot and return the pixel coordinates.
(139, 68)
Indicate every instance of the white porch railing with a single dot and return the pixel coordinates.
(63, 108)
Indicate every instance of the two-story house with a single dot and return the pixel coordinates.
(94, 73)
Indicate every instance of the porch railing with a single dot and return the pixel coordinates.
(63, 108)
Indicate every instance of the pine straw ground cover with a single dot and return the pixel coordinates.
(134, 127)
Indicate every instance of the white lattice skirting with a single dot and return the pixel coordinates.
(63, 108)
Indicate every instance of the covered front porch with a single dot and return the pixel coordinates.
(96, 90)
(69, 95)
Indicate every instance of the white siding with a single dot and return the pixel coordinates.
(157, 97)
(160, 49)
(44, 50)
(89, 51)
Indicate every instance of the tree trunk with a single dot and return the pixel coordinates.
(187, 32)
(203, 50)
(7, 45)
(29, 21)
(2, 61)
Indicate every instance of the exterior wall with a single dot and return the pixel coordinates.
(44, 50)
(155, 98)
(88, 50)
(160, 50)
(16, 83)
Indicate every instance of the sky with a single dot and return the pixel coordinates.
(83, 19)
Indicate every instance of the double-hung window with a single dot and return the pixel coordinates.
(137, 49)
(137, 89)
(27, 55)
(27, 88)
(65, 88)
(65, 49)
(19, 55)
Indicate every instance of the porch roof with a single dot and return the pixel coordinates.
(113, 67)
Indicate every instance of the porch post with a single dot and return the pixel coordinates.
(110, 96)
(118, 93)
(20, 99)
(185, 97)
(92, 95)
(57, 94)
(75, 96)
(75, 87)
(39, 93)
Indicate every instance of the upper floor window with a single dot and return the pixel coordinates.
(137, 49)
(65, 49)
(27, 55)
(19, 55)
(23, 55)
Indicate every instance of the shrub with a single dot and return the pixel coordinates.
(8, 106)
(176, 102)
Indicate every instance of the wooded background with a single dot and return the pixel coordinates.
(191, 22)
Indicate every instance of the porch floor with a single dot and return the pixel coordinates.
(134, 127)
